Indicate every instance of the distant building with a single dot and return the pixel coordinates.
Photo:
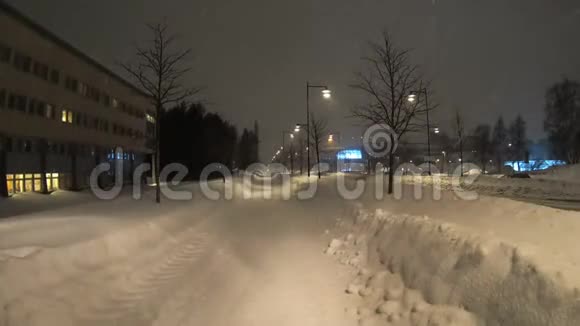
(61, 112)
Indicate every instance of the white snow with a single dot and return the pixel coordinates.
(254, 261)
(566, 173)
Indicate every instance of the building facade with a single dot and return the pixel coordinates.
(61, 112)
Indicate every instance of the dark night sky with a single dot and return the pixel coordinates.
(485, 57)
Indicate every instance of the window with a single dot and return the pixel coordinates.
(55, 76)
(2, 98)
(114, 102)
(22, 62)
(11, 101)
(150, 118)
(5, 53)
(27, 146)
(49, 111)
(20, 103)
(40, 109)
(40, 70)
(31, 106)
(71, 84)
(83, 89)
(106, 100)
(94, 94)
(66, 116)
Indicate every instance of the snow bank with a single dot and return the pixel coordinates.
(567, 173)
(532, 188)
(427, 272)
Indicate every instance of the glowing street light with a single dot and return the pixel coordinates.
(291, 136)
(326, 93)
(330, 138)
(412, 98)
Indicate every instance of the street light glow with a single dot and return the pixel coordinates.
(326, 94)
(291, 136)
(412, 98)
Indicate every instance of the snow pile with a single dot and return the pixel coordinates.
(418, 271)
(527, 188)
(533, 188)
(566, 173)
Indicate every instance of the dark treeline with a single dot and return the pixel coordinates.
(195, 138)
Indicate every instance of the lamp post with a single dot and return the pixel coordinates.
(284, 133)
(297, 130)
(325, 94)
(412, 98)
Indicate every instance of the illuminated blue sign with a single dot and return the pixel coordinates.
(351, 154)
(533, 165)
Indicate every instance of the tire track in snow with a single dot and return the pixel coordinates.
(127, 293)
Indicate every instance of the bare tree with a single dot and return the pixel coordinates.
(318, 132)
(518, 140)
(562, 122)
(459, 128)
(158, 70)
(388, 81)
(482, 141)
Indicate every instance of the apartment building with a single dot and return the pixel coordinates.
(61, 112)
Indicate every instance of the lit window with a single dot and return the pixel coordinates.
(150, 118)
(63, 116)
(70, 117)
(115, 102)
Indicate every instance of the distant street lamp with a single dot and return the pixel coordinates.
(284, 133)
(326, 93)
(413, 97)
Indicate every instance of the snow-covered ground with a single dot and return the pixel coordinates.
(566, 173)
(558, 193)
(201, 262)
(254, 261)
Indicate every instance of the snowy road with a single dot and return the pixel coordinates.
(260, 262)
(246, 262)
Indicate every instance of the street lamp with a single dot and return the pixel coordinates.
(284, 132)
(326, 93)
(413, 97)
